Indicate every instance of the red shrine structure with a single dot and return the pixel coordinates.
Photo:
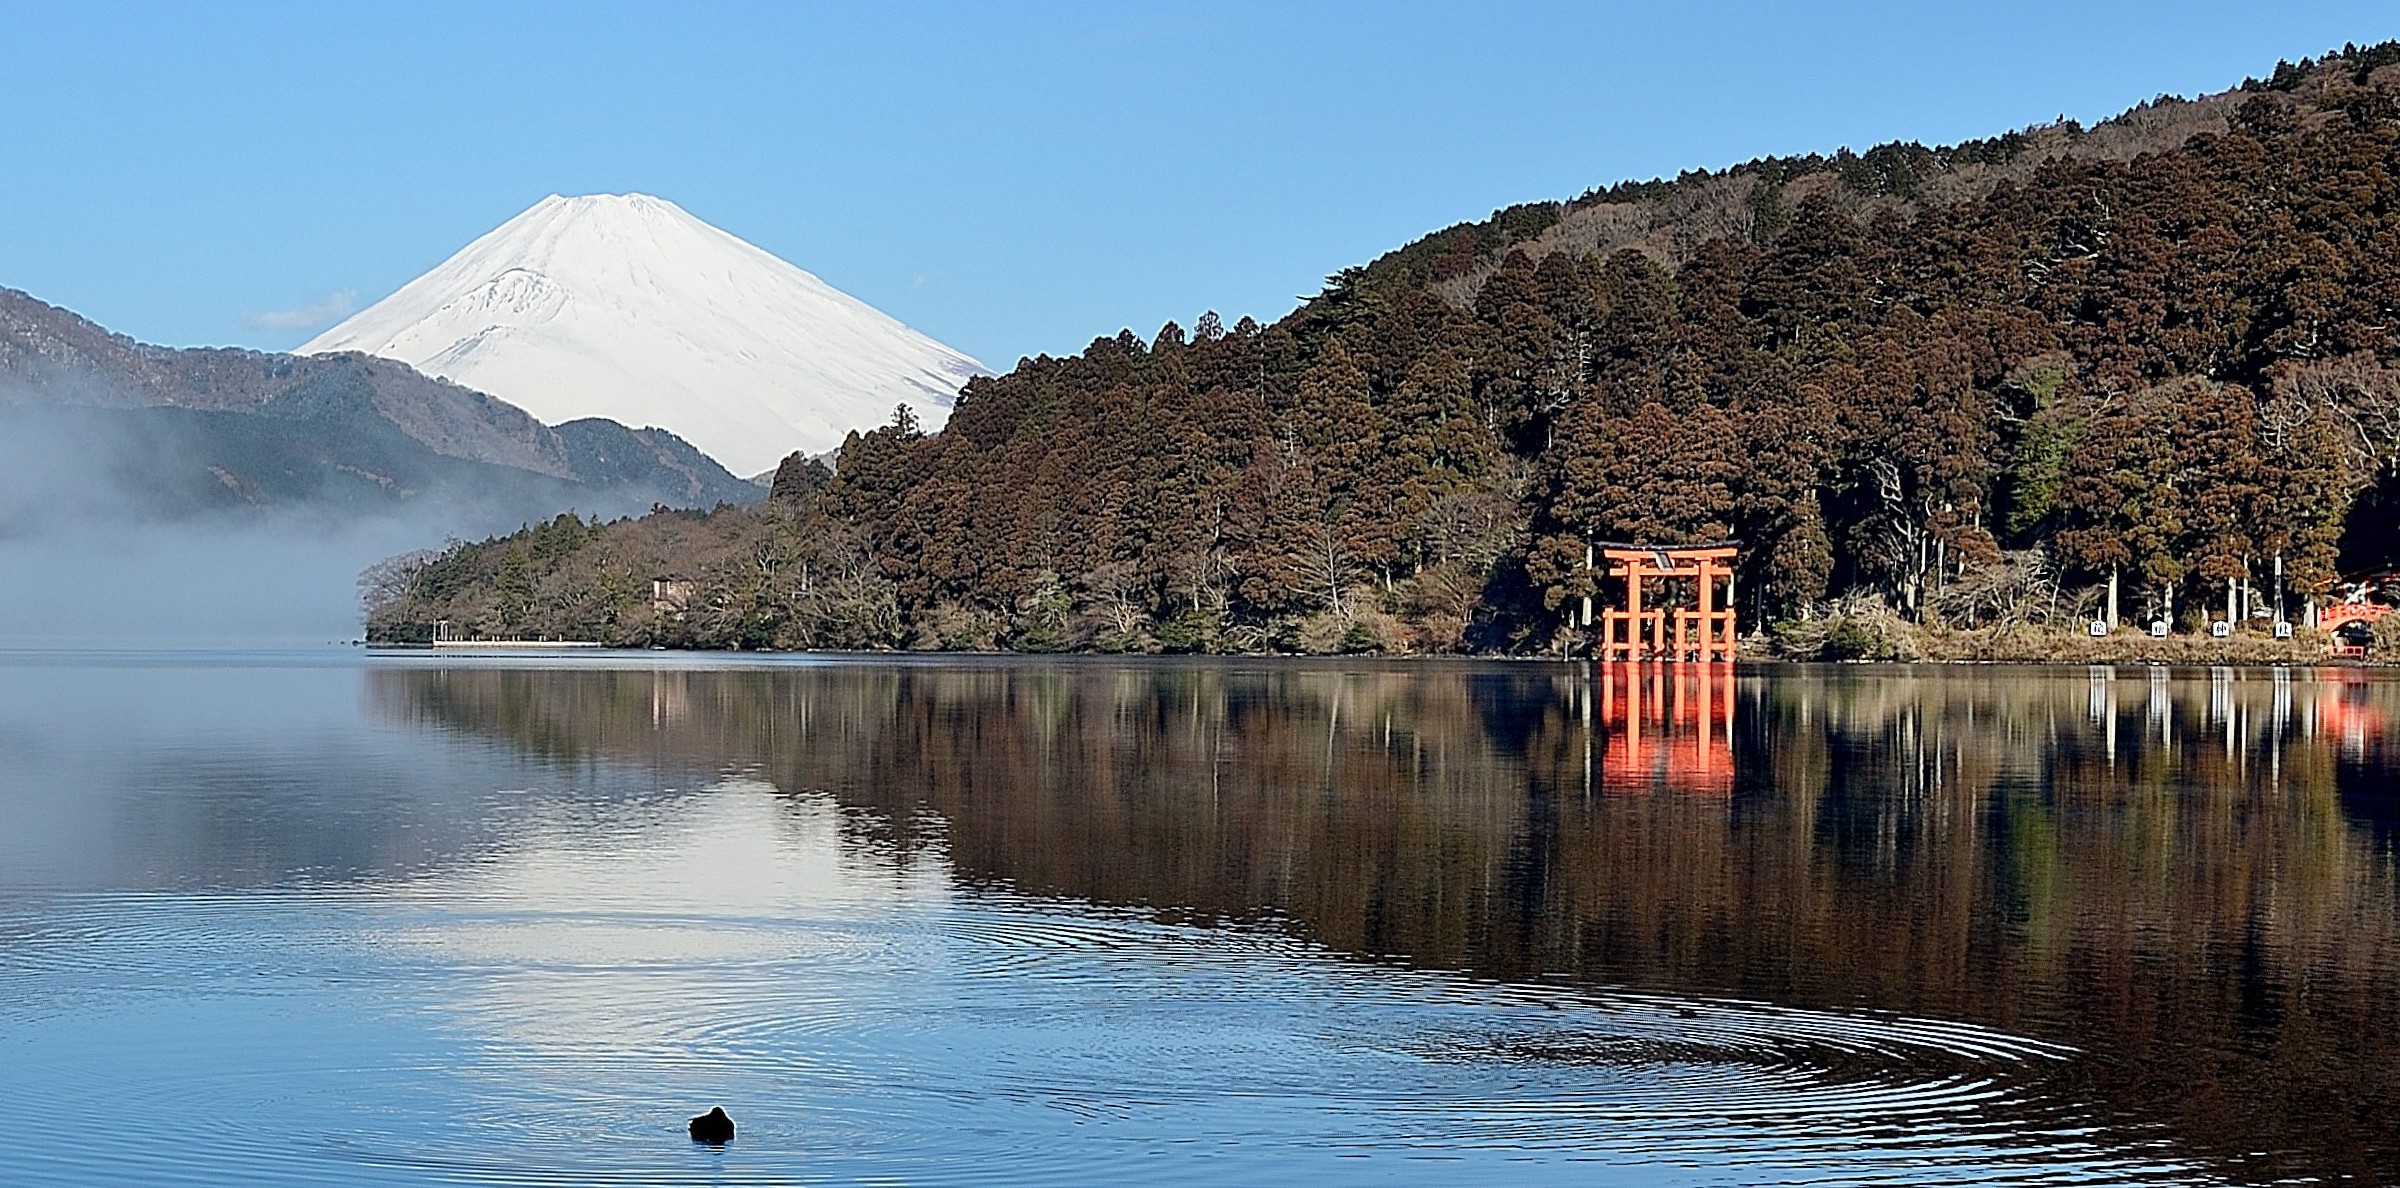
(1663, 630)
(2349, 623)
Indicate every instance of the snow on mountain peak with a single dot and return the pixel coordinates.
(628, 307)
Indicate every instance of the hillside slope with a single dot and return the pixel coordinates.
(1973, 384)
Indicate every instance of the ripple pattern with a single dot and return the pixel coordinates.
(462, 1035)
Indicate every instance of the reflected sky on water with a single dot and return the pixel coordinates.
(311, 918)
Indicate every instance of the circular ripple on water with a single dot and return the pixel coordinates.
(1639, 1077)
(989, 1040)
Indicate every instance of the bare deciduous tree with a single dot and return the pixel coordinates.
(390, 581)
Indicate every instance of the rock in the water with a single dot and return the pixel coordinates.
(712, 1127)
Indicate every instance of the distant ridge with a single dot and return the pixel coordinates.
(628, 307)
(195, 430)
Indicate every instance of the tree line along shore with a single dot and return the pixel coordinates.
(1947, 398)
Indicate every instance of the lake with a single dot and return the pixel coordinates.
(313, 917)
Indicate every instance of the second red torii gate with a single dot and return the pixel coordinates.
(1635, 633)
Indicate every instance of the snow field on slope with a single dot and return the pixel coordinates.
(630, 308)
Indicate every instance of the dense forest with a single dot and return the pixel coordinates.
(1961, 387)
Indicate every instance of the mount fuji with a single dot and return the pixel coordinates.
(628, 307)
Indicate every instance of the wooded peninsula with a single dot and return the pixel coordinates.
(1946, 398)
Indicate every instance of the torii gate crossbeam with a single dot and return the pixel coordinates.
(1705, 634)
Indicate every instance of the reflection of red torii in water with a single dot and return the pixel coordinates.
(1696, 689)
(1636, 632)
(1692, 707)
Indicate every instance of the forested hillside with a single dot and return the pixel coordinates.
(1966, 383)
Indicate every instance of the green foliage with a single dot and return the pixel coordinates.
(2048, 429)
(1849, 639)
(1042, 622)
(1191, 631)
(2386, 643)
(1454, 250)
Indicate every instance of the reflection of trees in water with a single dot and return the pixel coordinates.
(2172, 871)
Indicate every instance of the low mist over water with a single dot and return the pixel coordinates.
(278, 583)
(336, 920)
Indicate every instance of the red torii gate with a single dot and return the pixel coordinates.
(1634, 633)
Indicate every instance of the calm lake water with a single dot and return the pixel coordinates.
(313, 919)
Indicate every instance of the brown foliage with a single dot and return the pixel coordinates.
(2162, 348)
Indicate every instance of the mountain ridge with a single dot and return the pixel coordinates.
(631, 308)
(1669, 217)
(53, 358)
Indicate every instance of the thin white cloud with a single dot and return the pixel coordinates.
(303, 317)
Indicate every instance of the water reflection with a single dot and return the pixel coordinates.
(2186, 877)
(1687, 707)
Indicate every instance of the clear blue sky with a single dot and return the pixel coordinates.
(1011, 178)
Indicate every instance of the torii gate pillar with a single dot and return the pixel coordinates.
(1705, 635)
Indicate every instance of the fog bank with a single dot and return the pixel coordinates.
(127, 531)
(279, 582)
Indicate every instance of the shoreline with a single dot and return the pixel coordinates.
(1955, 647)
(2194, 653)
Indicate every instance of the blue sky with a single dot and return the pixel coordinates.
(1011, 178)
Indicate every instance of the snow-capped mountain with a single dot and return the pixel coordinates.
(628, 307)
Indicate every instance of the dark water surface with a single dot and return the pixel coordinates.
(315, 919)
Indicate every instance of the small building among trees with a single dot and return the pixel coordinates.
(672, 593)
